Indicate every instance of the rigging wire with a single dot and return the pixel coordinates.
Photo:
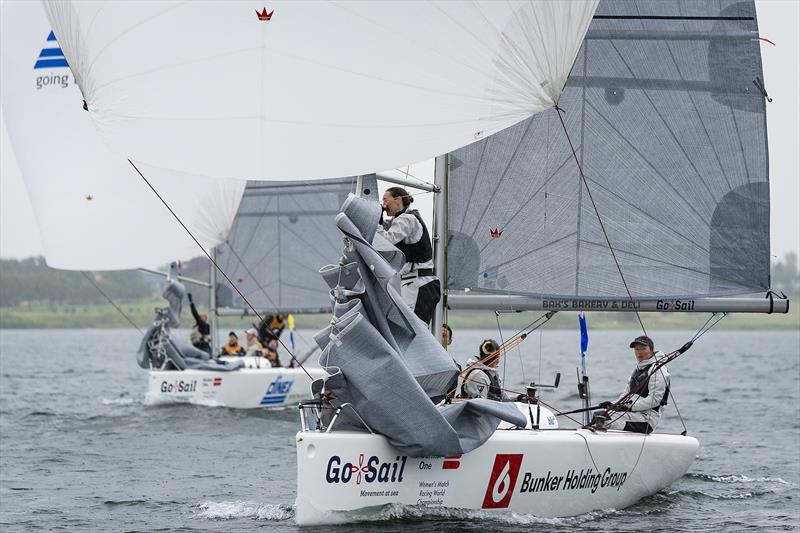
(253, 277)
(500, 331)
(514, 341)
(668, 358)
(216, 265)
(597, 212)
(107, 297)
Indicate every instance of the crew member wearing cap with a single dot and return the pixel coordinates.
(640, 411)
(481, 379)
(233, 347)
(253, 347)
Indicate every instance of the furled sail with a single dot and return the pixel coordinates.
(222, 89)
(93, 210)
(666, 109)
(382, 360)
(282, 232)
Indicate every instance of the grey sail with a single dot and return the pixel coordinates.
(281, 233)
(381, 360)
(665, 107)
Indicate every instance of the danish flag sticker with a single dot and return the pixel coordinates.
(502, 481)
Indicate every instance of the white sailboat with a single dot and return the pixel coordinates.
(676, 161)
(373, 437)
(280, 229)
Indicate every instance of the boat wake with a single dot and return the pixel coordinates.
(122, 400)
(736, 478)
(228, 510)
(241, 509)
(414, 512)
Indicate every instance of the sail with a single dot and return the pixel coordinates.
(281, 233)
(226, 90)
(382, 361)
(94, 212)
(666, 112)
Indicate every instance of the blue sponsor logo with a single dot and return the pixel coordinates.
(277, 392)
(51, 56)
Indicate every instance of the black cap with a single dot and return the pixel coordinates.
(643, 339)
(233, 333)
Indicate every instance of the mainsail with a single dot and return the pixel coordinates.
(280, 235)
(666, 109)
(306, 90)
(94, 212)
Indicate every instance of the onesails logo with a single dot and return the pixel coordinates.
(51, 56)
(502, 481)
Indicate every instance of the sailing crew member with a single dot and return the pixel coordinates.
(200, 336)
(405, 229)
(233, 347)
(252, 346)
(271, 326)
(447, 336)
(481, 379)
(647, 392)
(271, 353)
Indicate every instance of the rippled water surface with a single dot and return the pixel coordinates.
(80, 451)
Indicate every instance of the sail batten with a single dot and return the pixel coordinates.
(668, 124)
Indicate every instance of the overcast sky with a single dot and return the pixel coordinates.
(778, 21)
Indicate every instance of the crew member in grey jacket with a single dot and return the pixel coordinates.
(481, 379)
(641, 411)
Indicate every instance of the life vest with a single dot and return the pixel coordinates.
(233, 350)
(270, 327)
(420, 251)
(643, 375)
(494, 393)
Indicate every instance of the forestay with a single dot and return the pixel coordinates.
(664, 110)
(382, 360)
(282, 232)
(306, 90)
(94, 212)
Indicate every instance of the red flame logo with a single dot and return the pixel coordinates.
(495, 233)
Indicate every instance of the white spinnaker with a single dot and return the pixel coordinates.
(93, 210)
(321, 88)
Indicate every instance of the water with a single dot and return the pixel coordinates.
(79, 450)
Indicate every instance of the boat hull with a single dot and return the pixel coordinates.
(547, 473)
(246, 388)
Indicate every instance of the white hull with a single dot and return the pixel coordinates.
(547, 473)
(246, 388)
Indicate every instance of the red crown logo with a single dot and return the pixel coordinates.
(264, 15)
(495, 233)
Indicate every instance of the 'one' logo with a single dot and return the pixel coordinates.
(502, 481)
(51, 56)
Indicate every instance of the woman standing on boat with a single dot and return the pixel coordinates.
(405, 228)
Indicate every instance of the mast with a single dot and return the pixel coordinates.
(212, 303)
(440, 239)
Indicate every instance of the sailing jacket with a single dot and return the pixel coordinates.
(253, 347)
(481, 381)
(653, 395)
(407, 231)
